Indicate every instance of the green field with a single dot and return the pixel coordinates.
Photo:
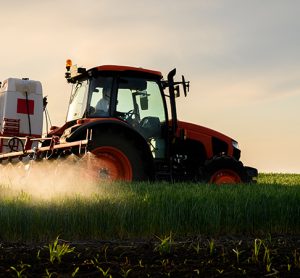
(150, 230)
(144, 210)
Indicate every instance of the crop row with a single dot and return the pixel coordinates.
(163, 257)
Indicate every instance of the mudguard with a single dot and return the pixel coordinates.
(118, 126)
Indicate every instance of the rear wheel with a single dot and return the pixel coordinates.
(224, 170)
(117, 157)
(111, 163)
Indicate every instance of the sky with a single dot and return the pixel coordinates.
(242, 58)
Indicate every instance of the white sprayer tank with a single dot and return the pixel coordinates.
(21, 110)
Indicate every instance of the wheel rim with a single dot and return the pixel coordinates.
(225, 176)
(111, 164)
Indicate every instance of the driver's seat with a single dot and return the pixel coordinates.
(150, 127)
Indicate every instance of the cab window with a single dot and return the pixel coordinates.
(99, 96)
(140, 104)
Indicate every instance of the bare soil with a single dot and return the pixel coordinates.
(276, 256)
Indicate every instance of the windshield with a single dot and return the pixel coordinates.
(78, 101)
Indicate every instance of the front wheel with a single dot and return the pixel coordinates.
(224, 170)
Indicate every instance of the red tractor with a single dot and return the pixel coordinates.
(130, 117)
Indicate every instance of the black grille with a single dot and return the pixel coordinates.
(219, 146)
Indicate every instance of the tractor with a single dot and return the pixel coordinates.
(126, 117)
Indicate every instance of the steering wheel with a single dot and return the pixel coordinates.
(132, 118)
(129, 115)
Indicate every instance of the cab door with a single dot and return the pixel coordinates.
(140, 103)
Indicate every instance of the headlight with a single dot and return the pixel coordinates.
(235, 144)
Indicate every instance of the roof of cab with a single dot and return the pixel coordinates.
(128, 68)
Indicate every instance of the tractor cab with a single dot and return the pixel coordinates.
(134, 96)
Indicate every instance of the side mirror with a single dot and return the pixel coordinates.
(144, 102)
(186, 86)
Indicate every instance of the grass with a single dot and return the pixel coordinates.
(124, 210)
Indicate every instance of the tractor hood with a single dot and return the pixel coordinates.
(193, 128)
(215, 142)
